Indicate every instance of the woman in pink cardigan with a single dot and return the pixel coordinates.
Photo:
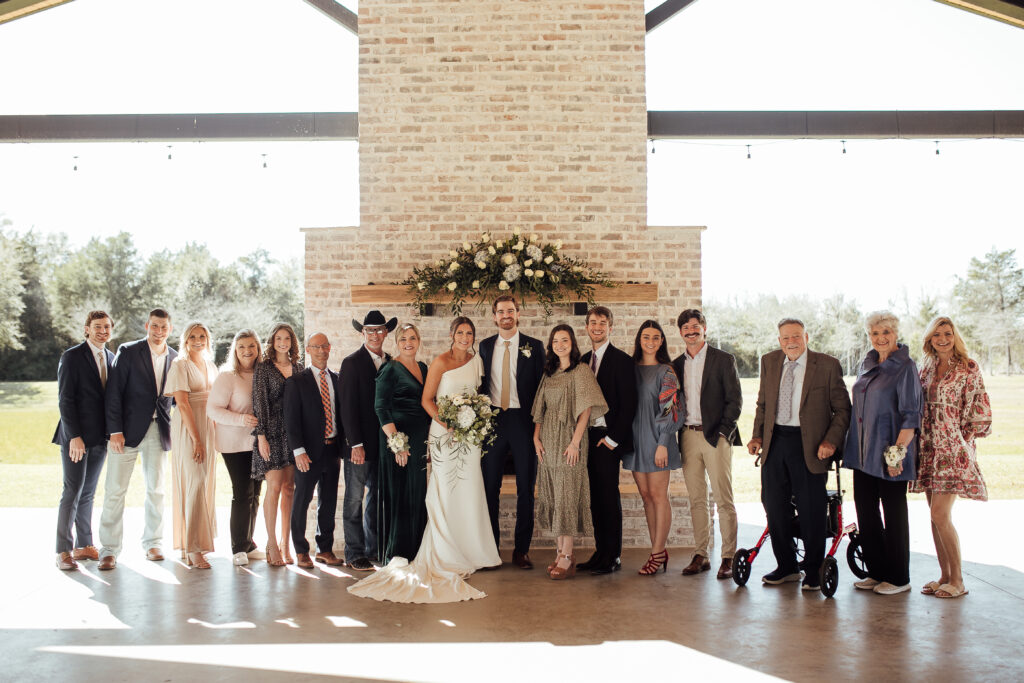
(230, 406)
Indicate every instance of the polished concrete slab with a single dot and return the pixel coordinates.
(162, 621)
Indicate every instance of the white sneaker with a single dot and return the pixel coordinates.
(867, 584)
(886, 588)
(240, 559)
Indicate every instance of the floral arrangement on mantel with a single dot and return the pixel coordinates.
(520, 265)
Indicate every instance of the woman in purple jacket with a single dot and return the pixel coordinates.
(881, 449)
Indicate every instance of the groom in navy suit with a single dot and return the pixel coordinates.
(513, 365)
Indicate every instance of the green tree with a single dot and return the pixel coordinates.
(12, 291)
(991, 299)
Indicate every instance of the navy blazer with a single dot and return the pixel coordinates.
(721, 398)
(617, 378)
(358, 390)
(132, 394)
(528, 372)
(80, 397)
(304, 417)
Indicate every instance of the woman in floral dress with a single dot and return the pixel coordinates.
(956, 412)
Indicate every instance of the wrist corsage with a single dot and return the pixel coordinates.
(398, 442)
(894, 455)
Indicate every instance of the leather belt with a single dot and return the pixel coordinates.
(328, 442)
(696, 428)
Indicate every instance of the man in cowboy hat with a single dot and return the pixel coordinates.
(362, 434)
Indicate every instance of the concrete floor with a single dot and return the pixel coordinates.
(150, 621)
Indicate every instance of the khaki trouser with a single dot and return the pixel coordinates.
(702, 462)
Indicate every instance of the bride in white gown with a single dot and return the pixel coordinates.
(458, 539)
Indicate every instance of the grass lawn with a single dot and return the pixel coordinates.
(30, 472)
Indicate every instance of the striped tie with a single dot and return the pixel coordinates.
(325, 397)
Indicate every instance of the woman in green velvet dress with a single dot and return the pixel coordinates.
(403, 475)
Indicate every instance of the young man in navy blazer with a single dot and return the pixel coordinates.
(82, 436)
(139, 421)
(312, 411)
(519, 358)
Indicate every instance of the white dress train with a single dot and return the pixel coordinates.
(458, 538)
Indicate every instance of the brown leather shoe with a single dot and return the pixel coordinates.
(65, 562)
(304, 561)
(330, 559)
(108, 562)
(521, 560)
(725, 571)
(89, 552)
(698, 564)
(154, 555)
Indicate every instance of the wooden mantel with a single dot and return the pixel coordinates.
(398, 294)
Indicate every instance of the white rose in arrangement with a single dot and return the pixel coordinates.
(486, 237)
(533, 237)
(499, 243)
(458, 400)
(476, 284)
(492, 251)
(549, 259)
(482, 265)
(465, 245)
(466, 418)
(577, 269)
(438, 262)
(421, 286)
(503, 285)
(538, 273)
(453, 266)
(558, 244)
(508, 259)
(528, 262)
(516, 231)
(452, 286)
(528, 273)
(453, 253)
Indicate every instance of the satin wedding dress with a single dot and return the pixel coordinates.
(458, 539)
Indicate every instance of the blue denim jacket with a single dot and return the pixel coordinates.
(886, 398)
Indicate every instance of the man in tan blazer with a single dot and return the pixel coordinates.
(803, 412)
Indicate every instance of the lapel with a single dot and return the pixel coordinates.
(94, 371)
(520, 358)
(709, 359)
(147, 365)
(604, 360)
(772, 377)
(487, 350)
(812, 364)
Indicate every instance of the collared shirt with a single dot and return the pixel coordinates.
(377, 360)
(598, 355)
(99, 356)
(693, 373)
(496, 360)
(798, 386)
(317, 372)
(159, 363)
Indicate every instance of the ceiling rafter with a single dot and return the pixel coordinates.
(1007, 11)
(338, 13)
(665, 11)
(16, 9)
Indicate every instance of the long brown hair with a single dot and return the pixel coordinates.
(270, 355)
(551, 361)
(461, 320)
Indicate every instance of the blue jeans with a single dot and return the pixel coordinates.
(360, 526)
(80, 479)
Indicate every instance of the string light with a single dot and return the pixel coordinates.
(652, 145)
(844, 146)
(76, 163)
(936, 148)
(264, 160)
(748, 151)
(169, 152)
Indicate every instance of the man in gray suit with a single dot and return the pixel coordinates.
(803, 412)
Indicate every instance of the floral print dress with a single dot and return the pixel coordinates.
(956, 412)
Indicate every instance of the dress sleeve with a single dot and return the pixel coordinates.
(384, 393)
(177, 377)
(220, 398)
(260, 399)
(587, 393)
(976, 413)
(538, 402)
(671, 413)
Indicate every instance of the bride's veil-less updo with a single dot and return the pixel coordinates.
(461, 320)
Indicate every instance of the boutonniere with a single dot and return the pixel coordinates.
(525, 350)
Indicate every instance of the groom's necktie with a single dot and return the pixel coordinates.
(785, 411)
(506, 376)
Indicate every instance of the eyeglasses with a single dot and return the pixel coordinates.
(318, 347)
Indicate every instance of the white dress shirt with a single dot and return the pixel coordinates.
(330, 389)
(496, 360)
(693, 373)
(99, 356)
(159, 363)
(798, 387)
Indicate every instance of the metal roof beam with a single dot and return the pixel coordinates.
(665, 11)
(339, 13)
(1007, 11)
(16, 9)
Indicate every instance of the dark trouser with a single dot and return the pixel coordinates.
(605, 504)
(360, 525)
(512, 435)
(324, 474)
(785, 477)
(245, 500)
(80, 479)
(886, 545)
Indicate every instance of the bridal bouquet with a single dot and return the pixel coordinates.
(894, 455)
(471, 416)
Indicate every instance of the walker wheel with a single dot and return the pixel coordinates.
(741, 566)
(855, 557)
(829, 576)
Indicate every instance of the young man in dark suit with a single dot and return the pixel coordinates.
(139, 421)
(609, 436)
(311, 418)
(803, 412)
(362, 436)
(513, 365)
(82, 436)
(711, 388)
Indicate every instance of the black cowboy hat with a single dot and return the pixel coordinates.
(375, 319)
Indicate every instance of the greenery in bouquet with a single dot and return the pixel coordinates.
(471, 418)
(521, 265)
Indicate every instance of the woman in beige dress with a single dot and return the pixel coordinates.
(193, 464)
(568, 397)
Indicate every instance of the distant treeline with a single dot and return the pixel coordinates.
(48, 286)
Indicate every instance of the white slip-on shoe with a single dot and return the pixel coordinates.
(240, 559)
(867, 584)
(886, 588)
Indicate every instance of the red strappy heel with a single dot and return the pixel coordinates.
(655, 562)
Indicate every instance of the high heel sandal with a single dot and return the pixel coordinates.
(559, 573)
(655, 562)
(287, 556)
(199, 562)
(271, 561)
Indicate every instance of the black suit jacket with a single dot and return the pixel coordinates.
(721, 398)
(617, 378)
(304, 416)
(358, 389)
(528, 372)
(80, 397)
(132, 394)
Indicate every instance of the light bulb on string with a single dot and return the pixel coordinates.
(936, 148)
(652, 146)
(748, 151)
(169, 147)
(844, 146)
(75, 161)
(264, 160)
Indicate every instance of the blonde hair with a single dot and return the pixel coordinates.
(407, 326)
(182, 348)
(959, 347)
(232, 361)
